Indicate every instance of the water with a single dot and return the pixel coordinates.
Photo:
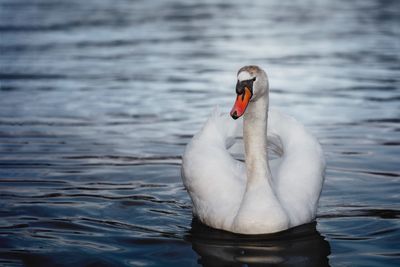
(99, 98)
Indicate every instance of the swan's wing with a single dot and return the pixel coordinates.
(299, 176)
(214, 179)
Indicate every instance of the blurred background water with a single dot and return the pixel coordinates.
(98, 99)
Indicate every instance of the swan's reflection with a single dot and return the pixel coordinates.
(300, 246)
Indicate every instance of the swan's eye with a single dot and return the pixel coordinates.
(254, 79)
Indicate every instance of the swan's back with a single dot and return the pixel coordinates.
(213, 178)
(299, 178)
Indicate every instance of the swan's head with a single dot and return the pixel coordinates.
(252, 83)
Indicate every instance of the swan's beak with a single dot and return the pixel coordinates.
(242, 100)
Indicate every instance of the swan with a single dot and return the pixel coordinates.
(261, 195)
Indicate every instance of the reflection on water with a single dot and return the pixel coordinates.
(99, 97)
(300, 246)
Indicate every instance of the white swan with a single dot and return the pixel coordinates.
(262, 195)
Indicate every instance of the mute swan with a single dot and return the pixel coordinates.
(262, 195)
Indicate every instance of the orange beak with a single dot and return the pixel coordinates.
(241, 103)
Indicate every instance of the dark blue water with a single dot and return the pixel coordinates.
(99, 98)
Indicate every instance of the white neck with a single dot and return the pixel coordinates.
(255, 142)
(259, 199)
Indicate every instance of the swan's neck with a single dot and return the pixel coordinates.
(255, 142)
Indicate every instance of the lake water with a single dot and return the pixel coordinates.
(99, 98)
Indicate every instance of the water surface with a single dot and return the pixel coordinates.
(99, 98)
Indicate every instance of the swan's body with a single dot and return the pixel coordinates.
(260, 196)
